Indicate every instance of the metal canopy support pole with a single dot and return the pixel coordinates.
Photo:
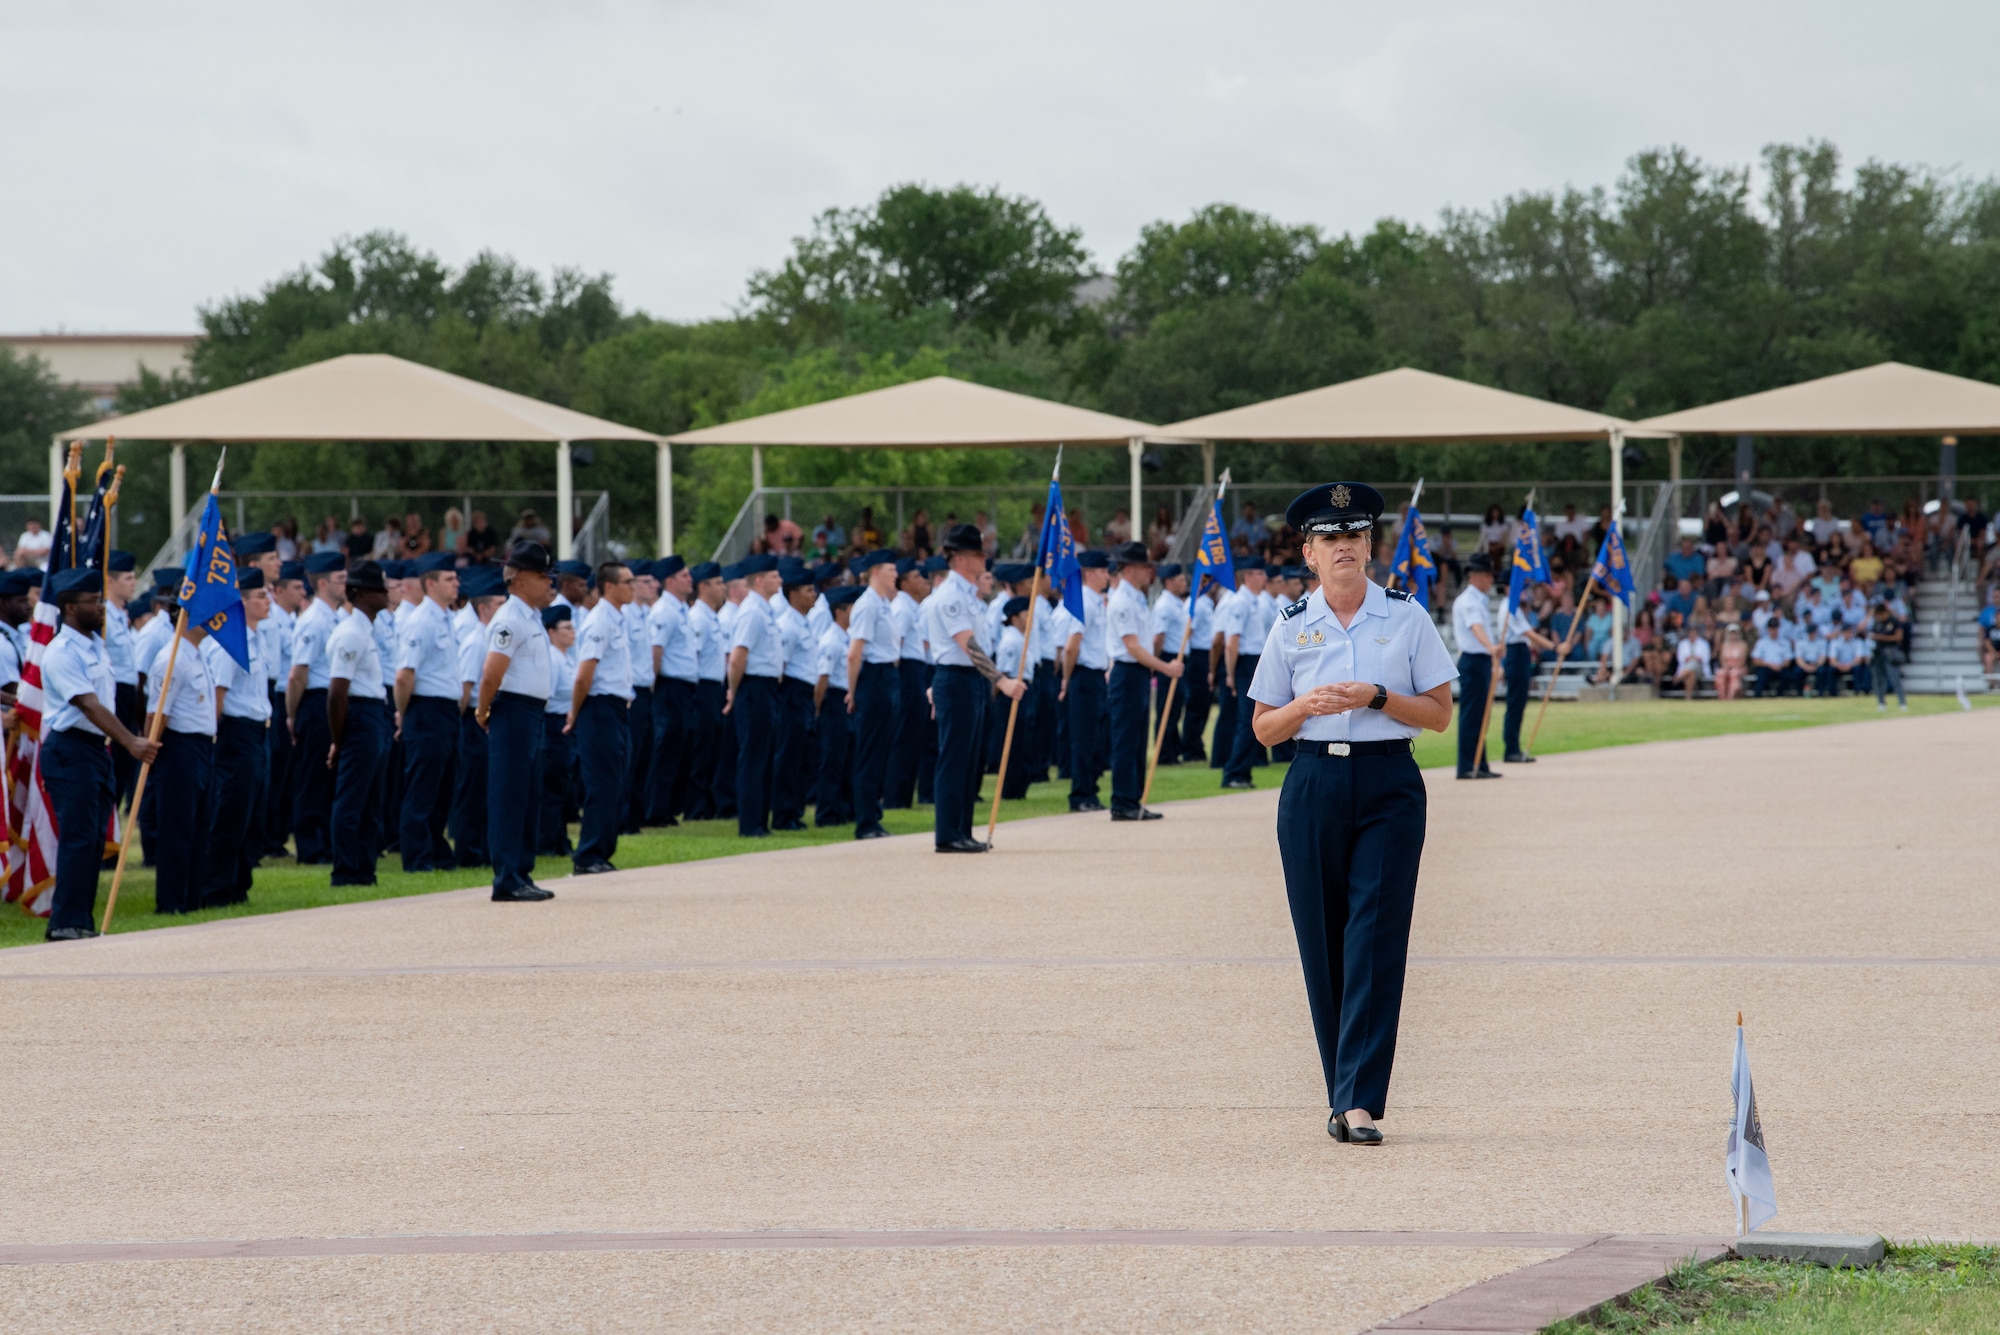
(58, 456)
(565, 503)
(177, 485)
(1674, 479)
(756, 494)
(1208, 463)
(1135, 448)
(1947, 469)
(1617, 442)
(663, 464)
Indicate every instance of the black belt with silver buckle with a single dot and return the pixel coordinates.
(1399, 747)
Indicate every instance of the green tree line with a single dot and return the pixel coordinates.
(1681, 283)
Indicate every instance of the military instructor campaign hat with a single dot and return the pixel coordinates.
(529, 556)
(963, 538)
(1336, 507)
(1130, 554)
(366, 577)
(1479, 563)
(167, 580)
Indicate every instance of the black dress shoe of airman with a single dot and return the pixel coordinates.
(1520, 758)
(68, 934)
(522, 894)
(963, 846)
(876, 833)
(592, 868)
(791, 827)
(1337, 1127)
(1087, 805)
(1135, 813)
(1237, 785)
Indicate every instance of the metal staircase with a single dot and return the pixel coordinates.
(1944, 631)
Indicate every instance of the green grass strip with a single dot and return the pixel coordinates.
(282, 885)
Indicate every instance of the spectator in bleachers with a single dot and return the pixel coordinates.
(1824, 527)
(1809, 656)
(1721, 569)
(1495, 532)
(1770, 660)
(34, 546)
(1989, 632)
(1847, 652)
(1247, 531)
(1794, 567)
(1692, 663)
(1686, 563)
(1679, 599)
(1597, 636)
(1732, 661)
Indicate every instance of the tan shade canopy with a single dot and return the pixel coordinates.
(938, 413)
(1404, 405)
(1886, 400)
(361, 396)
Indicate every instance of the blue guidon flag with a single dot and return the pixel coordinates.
(1213, 558)
(1412, 563)
(208, 587)
(1531, 563)
(1613, 572)
(1056, 553)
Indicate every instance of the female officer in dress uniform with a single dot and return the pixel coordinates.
(1351, 673)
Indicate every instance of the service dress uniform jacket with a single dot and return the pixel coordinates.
(1351, 824)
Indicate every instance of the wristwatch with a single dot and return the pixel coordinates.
(1381, 696)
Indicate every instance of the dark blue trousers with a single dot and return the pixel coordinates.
(877, 697)
(185, 777)
(755, 714)
(391, 778)
(604, 754)
(274, 823)
(927, 762)
(792, 773)
(673, 701)
(638, 757)
(357, 792)
(1475, 678)
(130, 708)
(552, 788)
(913, 713)
(1245, 753)
(312, 782)
(833, 790)
(240, 761)
(704, 801)
(1225, 727)
(76, 769)
(468, 794)
(430, 742)
(960, 695)
(1046, 686)
(1170, 713)
(1085, 706)
(723, 780)
(513, 764)
(1350, 834)
(1127, 697)
(1194, 714)
(1519, 665)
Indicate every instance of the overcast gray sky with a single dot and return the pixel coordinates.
(157, 155)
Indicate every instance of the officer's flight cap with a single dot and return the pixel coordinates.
(962, 538)
(291, 570)
(435, 562)
(1169, 570)
(1093, 560)
(794, 573)
(1479, 563)
(253, 544)
(366, 577)
(74, 583)
(249, 578)
(706, 571)
(554, 615)
(936, 565)
(1013, 608)
(880, 556)
(907, 566)
(668, 566)
(14, 583)
(574, 569)
(1014, 572)
(843, 595)
(118, 562)
(325, 563)
(482, 582)
(1336, 507)
(763, 563)
(529, 556)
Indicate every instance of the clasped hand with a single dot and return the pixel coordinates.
(1338, 697)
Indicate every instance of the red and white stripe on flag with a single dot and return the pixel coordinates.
(31, 823)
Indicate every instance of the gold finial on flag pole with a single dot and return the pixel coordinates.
(1739, 1019)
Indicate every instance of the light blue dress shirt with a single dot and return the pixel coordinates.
(833, 657)
(801, 645)
(1090, 651)
(1169, 620)
(756, 632)
(353, 655)
(426, 645)
(672, 636)
(516, 633)
(910, 626)
(606, 637)
(1468, 610)
(1009, 658)
(246, 692)
(873, 622)
(190, 698)
(309, 639)
(1391, 642)
(1125, 613)
(74, 665)
(954, 607)
(118, 644)
(562, 672)
(147, 640)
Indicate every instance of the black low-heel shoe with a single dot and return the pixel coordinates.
(1337, 1127)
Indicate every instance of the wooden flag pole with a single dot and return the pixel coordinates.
(139, 789)
(1014, 706)
(1562, 652)
(1499, 657)
(152, 735)
(1166, 713)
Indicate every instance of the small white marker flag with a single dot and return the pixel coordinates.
(1745, 1164)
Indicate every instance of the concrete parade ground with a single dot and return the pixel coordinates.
(1069, 1085)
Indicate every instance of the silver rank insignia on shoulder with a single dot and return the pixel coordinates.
(1302, 638)
(1319, 637)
